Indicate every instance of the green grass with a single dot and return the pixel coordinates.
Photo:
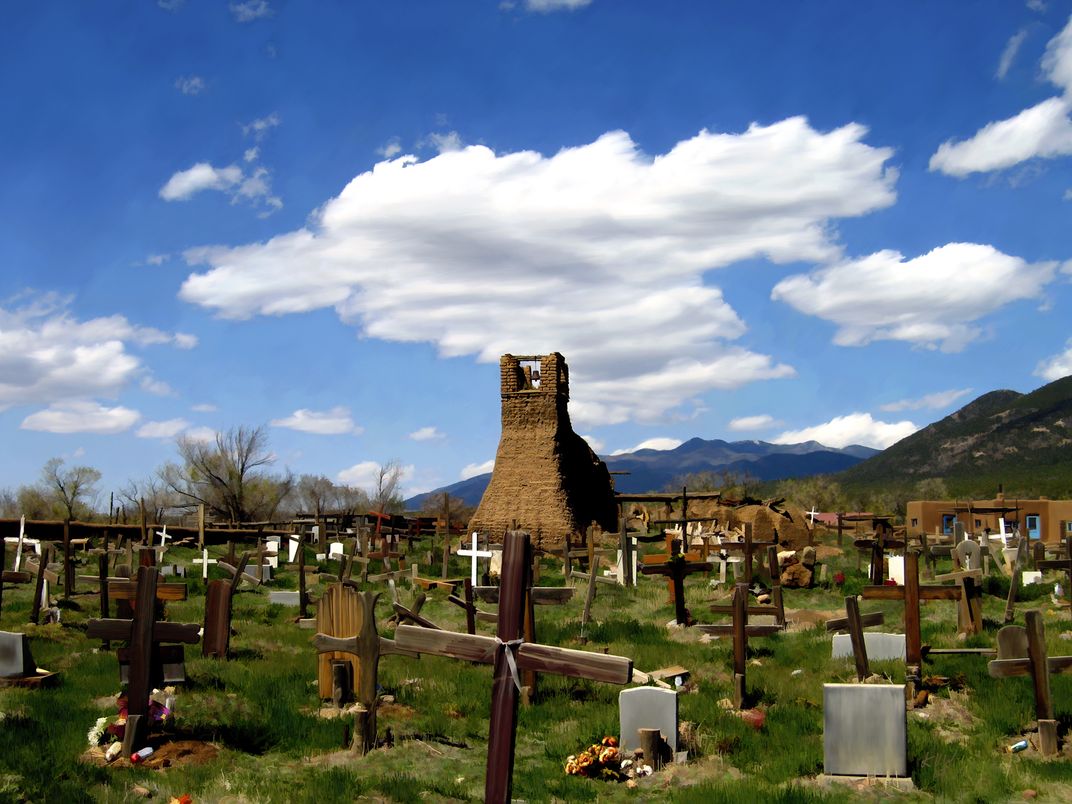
(260, 709)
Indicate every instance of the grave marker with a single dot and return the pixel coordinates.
(473, 554)
(1061, 565)
(865, 730)
(219, 605)
(646, 708)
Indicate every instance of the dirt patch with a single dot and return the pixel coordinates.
(950, 716)
(803, 619)
(825, 551)
(166, 754)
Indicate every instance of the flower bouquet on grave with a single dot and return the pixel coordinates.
(604, 761)
(161, 714)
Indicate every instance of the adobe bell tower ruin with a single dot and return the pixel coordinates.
(546, 477)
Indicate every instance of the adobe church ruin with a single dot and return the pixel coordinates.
(546, 477)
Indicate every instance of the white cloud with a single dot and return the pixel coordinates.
(1008, 55)
(603, 247)
(168, 428)
(184, 340)
(365, 475)
(745, 423)
(261, 126)
(81, 416)
(1036, 5)
(250, 10)
(390, 148)
(660, 443)
(443, 142)
(204, 407)
(157, 387)
(935, 401)
(474, 469)
(336, 421)
(546, 6)
(1057, 366)
(425, 434)
(185, 184)
(157, 259)
(190, 84)
(931, 300)
(1044, 130)
(596, 444)
(251, 154)
(855, 428)
(47, 355)
(200, 434)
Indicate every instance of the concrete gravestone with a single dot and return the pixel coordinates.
(647, 708)
(15, 658)
(865, 730)
(879, 646)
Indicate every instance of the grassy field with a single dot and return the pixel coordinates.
(261, 709)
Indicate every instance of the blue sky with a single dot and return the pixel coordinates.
(782, 221)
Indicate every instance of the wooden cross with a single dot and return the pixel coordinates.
(511, 655)
(367, 646)
(404, 613)
(1061, 565)
(473, 554)
(911, 594)
(747, 547)
(143, 634)
(1022, 652)
(676, 569)
(472, 613)
(776, 607)
(879, 542)
(970, 610)
(45, 576)
(1015, 578)
(740, 630)
(591, 553)
(219, 605)
(854, 623)
(627, 548)
(9, 576)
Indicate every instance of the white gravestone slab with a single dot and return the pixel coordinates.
(647, 708)
(495, 565)
(1031, 576)
(879, 646)
(335, 550)
(15, 658)
(285, 598)
(865, 730)
(896, 569)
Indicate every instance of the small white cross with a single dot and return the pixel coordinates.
(22, 536)
(292, 547)
(812, 514)
(474, 554)
(204, 561)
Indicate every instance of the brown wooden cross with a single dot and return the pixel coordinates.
(747, 547)
(143, 634)
(1061, 565)
(970, 607)
(219, 604)
(776, 607)
(472, 613)
(740, 630)
(880, 541)
(854, 623)
(367, 646)
(1022, 652)
(676, 568)
(404, 613)
(43, 573)
(510, 656)
(911, 594)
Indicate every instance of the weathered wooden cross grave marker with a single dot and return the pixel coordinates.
(144, 635)
(878, 543)
(1022, 652)
(365, 646)
(854, 623)
(969, 581)
(219, 605)
(676, 569)
(510, 655)
(404, 613)
(776, 608)
(747, 548)
(741, 631)
(468, 604)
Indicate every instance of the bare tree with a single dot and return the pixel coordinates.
(73, 490)
(351, 500)
(156, 495)
(385, 496)
(228, 475)
(316, 494)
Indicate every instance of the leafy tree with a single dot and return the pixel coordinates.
(72, 490)
(229, 475)
(316, 494)
(386, 494)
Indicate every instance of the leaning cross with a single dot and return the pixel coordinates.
(143, 633)
(741, 630)
(473, 554)
(1015, 658)
(812, 514)
(854, 623)
(510, 656)
(367, 646)
(676, 568)
(219, 605)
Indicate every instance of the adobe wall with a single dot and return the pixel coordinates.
(546, 477)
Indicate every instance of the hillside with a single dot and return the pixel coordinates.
(658, 470)
(1004, 437)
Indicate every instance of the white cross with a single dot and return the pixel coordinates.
(292, 547)
(22, 536)
(474, 554)
(163, 534)
(204, 561)
(812, 514)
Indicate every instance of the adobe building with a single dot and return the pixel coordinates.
(546, 477)
(1044, 519)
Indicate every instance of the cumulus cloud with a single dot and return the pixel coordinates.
(366, 474)
(1057, 366)
(745, 423)
(474, 469)
(596, 444)
(425, 434)
(1008, 55)
(599, 251)
(932, 300)
(336, 421)
(47, 355)
(205, 434)
(157, 387)
(166, 429)
(261, 126)
(250, 10)
(390, 148)
(661, 443)
(190, 84)
(185, 184)
(1043, 130)
(855, 428)
(443, 142)
(81, 416)
(935, 401)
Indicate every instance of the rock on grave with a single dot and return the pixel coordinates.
(15, 658)
(879, 646)
(796, 576)
(865, 730)
(647, 708)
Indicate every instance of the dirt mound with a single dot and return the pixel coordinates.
(166, 754)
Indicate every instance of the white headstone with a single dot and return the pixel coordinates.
(647, 708)
(335, 550)
(15, 658)
(1031, 576)
(495, 565)
(896, 571)
(879, 646)
(284, 598)
(865, 730)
